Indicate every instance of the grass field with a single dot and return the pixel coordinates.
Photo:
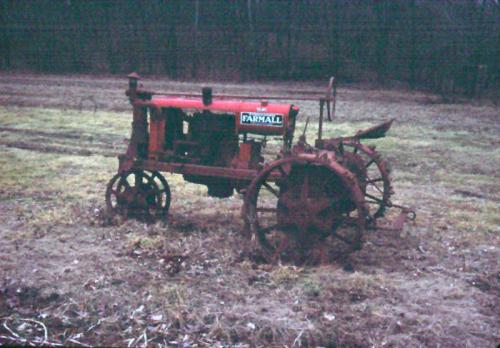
(71, 274)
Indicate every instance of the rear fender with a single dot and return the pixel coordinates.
(375, 132)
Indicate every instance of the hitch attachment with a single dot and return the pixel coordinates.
(407, 214)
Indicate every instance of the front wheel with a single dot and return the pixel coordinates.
(138, 194)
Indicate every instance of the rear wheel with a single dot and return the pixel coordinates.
(374, 179)
(295, 204)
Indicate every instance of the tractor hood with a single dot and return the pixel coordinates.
(253, 117)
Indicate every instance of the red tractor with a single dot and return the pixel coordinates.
(292, 203)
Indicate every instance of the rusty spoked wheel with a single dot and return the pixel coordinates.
(138, 194)
(295, 204)
(374, 178)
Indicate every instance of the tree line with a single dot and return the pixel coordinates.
(448, 46)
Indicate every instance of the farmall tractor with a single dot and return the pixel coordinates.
(294, 203)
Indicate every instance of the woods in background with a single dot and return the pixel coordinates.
(446, 46)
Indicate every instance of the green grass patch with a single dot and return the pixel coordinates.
(67, 121)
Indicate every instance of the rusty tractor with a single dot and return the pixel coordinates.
(293, 203)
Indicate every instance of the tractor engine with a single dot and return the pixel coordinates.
(218, 142)
(217, 145)
(226, 140)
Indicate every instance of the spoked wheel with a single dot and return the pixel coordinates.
(373, 177)
(138, 194)
(295, 204)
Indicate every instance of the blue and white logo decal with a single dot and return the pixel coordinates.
(261, 119)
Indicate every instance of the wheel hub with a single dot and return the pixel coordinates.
(308, 205)
(310, 216)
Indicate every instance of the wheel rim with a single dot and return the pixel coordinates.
(164, 191)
